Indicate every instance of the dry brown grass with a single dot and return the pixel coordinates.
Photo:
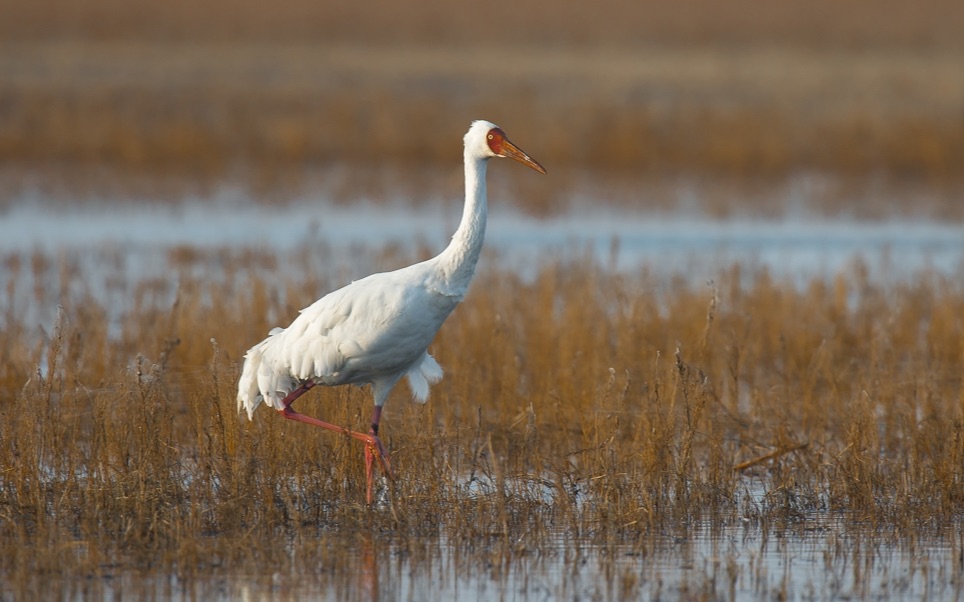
(610, 407)
(95, 92)
(203, 109)
(859, 23)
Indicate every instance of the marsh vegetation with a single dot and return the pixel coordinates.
(603, 408)
(604, 430)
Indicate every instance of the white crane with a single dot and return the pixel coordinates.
(377, 330)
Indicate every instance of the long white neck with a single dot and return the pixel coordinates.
(457, 262)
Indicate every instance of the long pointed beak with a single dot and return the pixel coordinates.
(512, 151)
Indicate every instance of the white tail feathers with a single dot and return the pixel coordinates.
(427, 372)
(249, 396)
(261, 380)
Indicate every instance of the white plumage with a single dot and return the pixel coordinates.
(377, 330)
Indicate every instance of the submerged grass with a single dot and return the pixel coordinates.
(601, 406)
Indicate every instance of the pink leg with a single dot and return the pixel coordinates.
(375, 449)
(373, 445)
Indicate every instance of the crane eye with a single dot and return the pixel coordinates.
(490, 136)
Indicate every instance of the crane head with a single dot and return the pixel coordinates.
(498, 145)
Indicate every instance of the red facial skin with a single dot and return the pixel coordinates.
(503, 147)
(495, 138)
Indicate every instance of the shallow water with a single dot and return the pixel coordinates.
(816, 558)
(690, 245)
(109, 251)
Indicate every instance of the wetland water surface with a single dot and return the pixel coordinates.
(815, 557)
(348, 242)
(692, 246)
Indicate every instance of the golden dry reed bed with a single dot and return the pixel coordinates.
(250, 89)
(606, 407)
(200, 110)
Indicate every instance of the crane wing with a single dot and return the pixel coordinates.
(373, 330)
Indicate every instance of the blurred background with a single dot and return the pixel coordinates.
(749, 107)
